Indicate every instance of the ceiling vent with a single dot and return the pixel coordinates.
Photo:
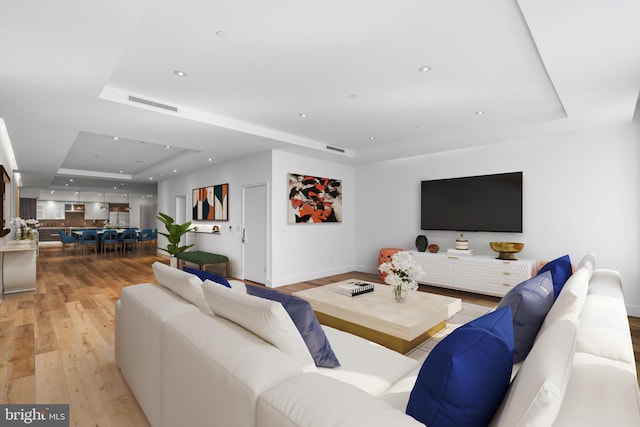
(339, 150)
(153, 103)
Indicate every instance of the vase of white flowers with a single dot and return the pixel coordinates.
(402, 275)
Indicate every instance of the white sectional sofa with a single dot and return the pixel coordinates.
(190, 367)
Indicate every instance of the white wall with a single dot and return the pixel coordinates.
(255, 169)
(307, 251)
(581, 194)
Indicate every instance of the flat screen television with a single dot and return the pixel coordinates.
(473, 203)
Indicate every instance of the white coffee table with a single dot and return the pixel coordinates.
(378, 318)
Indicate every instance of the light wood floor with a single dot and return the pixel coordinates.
(57, 343)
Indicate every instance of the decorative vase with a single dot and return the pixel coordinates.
(400, 293)
(421, 243)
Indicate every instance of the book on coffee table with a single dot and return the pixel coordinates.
(354, 288)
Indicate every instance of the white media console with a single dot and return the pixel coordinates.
(478, 273)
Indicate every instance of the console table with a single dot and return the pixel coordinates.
(478, 273)
(19, 266)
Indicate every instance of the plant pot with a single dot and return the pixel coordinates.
(173, 261)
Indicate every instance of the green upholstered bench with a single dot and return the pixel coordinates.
(203, 259)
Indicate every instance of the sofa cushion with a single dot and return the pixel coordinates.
(604, 329)
(181, 283)
(307, 323)
(364, 364)
(207, 275)
(265, 318)
(465, 377)
(560, 269)
(570, 300)
(535, 396)
(530, 302)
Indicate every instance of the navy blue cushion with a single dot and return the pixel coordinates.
(465, 377)
(561, 270)
(530, 301)
(306, 322)
(204, 275)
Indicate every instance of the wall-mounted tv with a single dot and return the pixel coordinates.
(473, 203)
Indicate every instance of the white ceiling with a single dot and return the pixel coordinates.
(69, 67)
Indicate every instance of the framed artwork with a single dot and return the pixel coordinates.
(314, 200)
(5, 204)
(211, 203)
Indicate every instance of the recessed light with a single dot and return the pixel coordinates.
(303, 115)
(424, 69)
(115, 188)
(167, 146)
(115, 138)
(70, 179)
(151, 178)
(121, 172)
(479, 113)
(175, 171)
(372, 138)
(180, 73)
(51, 192)
(210, 159)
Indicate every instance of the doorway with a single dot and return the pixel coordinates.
(254, 233)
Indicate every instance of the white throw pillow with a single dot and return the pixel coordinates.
(265, 318)
(535, 396)
(571, 298)
(589, 262)
(181, 283)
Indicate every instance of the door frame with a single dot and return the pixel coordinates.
(267, 221)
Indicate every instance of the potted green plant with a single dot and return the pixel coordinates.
(173, 235)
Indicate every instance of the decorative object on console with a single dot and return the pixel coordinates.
(422, 243)
(433, 248)
(211, 203)
(506, 249)
(462, 244)
(402, 274)
(314, 199)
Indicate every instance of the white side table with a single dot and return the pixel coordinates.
(18, 266)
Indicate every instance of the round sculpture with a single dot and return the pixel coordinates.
(433, 248)
(506, 249)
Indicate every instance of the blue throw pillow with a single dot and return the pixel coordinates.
(204, 275)
(561, 270)
(306, 322)
(465, 377)
(530, 301)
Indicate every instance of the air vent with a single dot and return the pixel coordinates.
(339, 150)
(153, 103)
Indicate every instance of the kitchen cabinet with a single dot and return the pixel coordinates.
(50, 210)
(95, 210)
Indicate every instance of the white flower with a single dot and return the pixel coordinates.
(402, 271)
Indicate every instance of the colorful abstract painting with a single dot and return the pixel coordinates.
(313, 199)
(211, 203)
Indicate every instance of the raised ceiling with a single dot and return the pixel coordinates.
(341, 80)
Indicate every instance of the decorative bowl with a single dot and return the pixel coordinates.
(506, 249)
